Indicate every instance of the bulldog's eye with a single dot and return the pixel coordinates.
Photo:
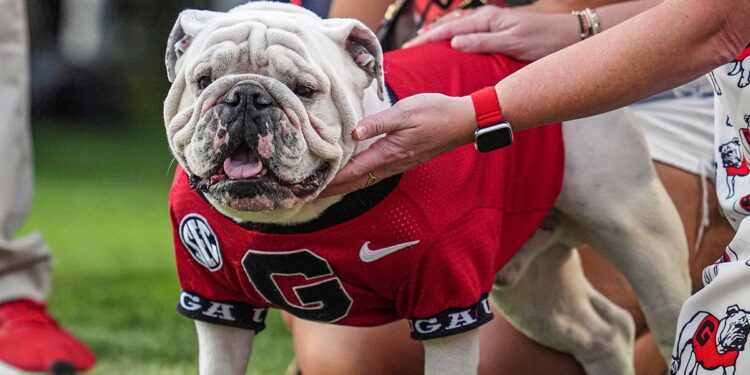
(303, 91)
(204, 81)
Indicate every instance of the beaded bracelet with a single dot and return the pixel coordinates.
(593, 21)
(588, 19)
(582, 22)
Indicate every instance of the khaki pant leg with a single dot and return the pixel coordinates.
(24, 262)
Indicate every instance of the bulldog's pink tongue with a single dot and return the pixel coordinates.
(242, 164)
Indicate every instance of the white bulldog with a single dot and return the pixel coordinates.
(260, 112)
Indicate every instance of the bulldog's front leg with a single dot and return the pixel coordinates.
(457, 354)
(223, 350)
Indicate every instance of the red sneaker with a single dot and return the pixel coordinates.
(30, 340)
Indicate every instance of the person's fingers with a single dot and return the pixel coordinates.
(456, 13)
(339, 189)
(380, 123)
(350, 173)
(481, 43)
(380, 160)
(360, 182)
(443, 31)
(473, 23)
(350, 181)
(368, 160)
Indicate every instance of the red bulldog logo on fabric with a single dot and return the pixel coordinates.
(734, 162)
(707, 344)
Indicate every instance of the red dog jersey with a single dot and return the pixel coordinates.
(424, 246)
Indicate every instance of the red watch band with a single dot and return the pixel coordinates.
(487, 107)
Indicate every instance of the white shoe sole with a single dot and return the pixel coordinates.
(6, 369)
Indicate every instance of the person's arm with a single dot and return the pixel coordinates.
(566, 6)
(671, 44)
(522, 34)
(369, 12)
(668, 45)
(614, 14)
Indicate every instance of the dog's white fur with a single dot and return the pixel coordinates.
(611, 199)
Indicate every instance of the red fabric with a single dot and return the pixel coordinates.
(743, 54)
(532, 167)
(471, 213)
(704, 346)
(742, 170)
(30, 340)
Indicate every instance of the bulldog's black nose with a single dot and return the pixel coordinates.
(247, 110)
(248, 96)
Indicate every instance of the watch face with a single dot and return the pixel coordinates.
(493, 137)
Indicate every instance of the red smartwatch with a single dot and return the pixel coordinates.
(492, 132)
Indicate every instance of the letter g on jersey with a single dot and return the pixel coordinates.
(201, 241)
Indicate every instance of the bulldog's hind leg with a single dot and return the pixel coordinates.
(616, 203)
(554, 304)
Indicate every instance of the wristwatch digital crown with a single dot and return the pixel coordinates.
(492, 132)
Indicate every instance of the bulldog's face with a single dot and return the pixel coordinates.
(734, 329)
(731, 155)
(263, 102)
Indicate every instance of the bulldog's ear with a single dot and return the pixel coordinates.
(362, 45)
(733, 309)
(189, 23)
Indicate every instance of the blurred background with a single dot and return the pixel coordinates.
(103, 170)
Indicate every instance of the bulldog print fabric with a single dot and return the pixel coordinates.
(424, 246)
(714, 324)
(733, 137)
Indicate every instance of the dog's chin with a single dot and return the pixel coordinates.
(264, 192)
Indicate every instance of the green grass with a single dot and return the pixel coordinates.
(100, 202)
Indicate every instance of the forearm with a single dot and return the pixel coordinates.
(566, 6)
(369, 12)
(613, 14)
(634, 60)
(609, 16)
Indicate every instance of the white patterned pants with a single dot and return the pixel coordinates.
(24, 262)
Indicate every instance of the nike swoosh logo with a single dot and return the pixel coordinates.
(367, 255)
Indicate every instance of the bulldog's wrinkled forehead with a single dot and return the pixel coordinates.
(238, 24)
(254, 42)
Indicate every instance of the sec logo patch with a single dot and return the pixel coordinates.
(201, 241)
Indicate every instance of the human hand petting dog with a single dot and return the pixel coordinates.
(416, 129)
(520, 34)
(523, 35)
